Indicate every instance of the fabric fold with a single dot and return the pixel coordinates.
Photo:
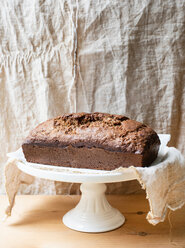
(14, 178)
(164, 185)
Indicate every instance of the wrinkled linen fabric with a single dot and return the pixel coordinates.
(14, 178)
(124, 57)
(164, 181)
(164, 185)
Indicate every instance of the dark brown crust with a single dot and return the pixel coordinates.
(113, 136)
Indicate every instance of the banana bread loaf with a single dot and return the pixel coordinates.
(92, 140)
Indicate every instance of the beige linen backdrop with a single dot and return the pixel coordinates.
(124, 57)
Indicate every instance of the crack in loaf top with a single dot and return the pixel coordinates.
(110, 132)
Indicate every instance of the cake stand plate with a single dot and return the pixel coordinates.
(93, 213)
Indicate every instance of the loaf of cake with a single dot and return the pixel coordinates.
(92, 140)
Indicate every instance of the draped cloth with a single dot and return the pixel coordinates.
(120, 57)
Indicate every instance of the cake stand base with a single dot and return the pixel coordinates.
(93, 213)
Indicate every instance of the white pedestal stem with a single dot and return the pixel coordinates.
(93, 213)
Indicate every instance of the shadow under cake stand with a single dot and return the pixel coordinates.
(93, 213)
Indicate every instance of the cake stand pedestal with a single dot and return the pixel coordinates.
(93, 213)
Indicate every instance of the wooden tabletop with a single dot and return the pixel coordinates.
(36, 222)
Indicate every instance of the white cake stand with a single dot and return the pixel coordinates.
(93, 213)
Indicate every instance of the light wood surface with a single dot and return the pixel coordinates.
(36, 222)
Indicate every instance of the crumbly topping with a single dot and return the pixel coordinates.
(83, 120)
(111, 132)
